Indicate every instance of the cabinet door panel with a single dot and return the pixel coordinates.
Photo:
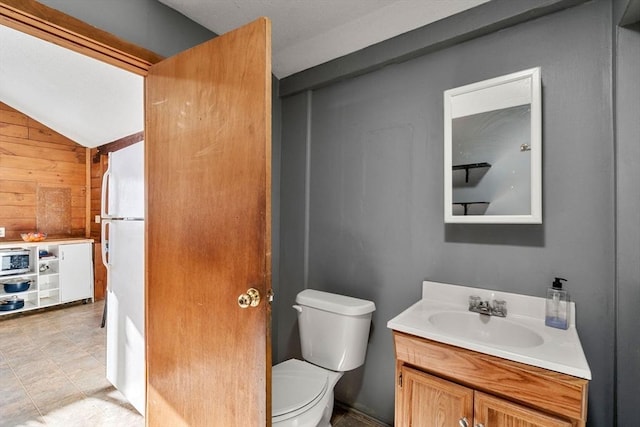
(496, 412)
(432, 402)
(76, 280)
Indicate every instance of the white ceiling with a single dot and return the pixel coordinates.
(94, 103)
(306, 33)
(86, 100)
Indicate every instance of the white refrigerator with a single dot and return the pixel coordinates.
(122, 215)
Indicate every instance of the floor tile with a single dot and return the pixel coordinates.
(91, 381)
(14, 397)
(65, 406)
(23, 349)
(52, 373)
(21, 418)
(37, 366)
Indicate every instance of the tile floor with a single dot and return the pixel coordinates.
(343, 417)
(52, 366)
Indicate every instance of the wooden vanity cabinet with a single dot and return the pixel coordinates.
(425, 400)
(493, 411)
(442, 385)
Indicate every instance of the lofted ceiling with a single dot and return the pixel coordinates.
(94, 103)
(86, 100)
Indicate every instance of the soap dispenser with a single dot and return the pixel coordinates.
(557, 305)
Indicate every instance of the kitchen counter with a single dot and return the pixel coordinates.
(62, 241)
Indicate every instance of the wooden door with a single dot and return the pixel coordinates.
(428, 401)
(208, 156)
(496, 412)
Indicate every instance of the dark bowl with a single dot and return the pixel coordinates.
(11, 304)
(10, 287)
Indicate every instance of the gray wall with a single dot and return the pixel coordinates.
(627, 108)
(276, 120)
(382, 214)
(371, 147)
(293, 223)
(146, 23)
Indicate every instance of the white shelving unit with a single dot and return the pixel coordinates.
(48, 276)
(61, 271)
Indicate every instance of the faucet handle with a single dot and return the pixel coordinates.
(500, 306)
(474, 301)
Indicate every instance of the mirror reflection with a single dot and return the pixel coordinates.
(492, 151)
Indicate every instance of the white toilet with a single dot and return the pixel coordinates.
(334, 330)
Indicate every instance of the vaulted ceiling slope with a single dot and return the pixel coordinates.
(93, 103)
(86, 100)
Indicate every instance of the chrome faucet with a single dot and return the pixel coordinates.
(497, 307)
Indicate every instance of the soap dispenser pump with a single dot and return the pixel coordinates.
(557, 305)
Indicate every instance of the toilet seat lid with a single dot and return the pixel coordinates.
(296, 385)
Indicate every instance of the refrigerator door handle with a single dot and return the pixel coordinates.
(105, 260)
(104, 208)
(104, 247)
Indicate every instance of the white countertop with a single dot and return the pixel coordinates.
(23, 244)
(560, 350)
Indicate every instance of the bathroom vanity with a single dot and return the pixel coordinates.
(455, 367)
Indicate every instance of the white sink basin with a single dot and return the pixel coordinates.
(485, 329)
(443, 315)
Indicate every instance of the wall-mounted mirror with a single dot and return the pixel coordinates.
(493, 151)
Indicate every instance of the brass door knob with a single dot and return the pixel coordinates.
(250, 299)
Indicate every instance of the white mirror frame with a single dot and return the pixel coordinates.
(501, 92)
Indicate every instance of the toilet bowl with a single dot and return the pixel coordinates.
(334, 330)
(302, 394)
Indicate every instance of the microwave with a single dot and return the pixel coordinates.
(14, 261)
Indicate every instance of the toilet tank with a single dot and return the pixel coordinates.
(334, 329)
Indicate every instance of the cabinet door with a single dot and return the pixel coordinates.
(495, 412)
(76, 279)
(428, 401)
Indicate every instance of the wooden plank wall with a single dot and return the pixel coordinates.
(34, 156)
(99, 164)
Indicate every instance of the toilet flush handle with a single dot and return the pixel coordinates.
(297, 308)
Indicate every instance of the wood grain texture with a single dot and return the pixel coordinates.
(87, 195)
(51, 25)
(24, 137)
(120, 143)
(33, 157)
(99, 273)
(54, 210)
(538, 388)
(433, 402)
(207, 142)
(492, 411)
(96, 171)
